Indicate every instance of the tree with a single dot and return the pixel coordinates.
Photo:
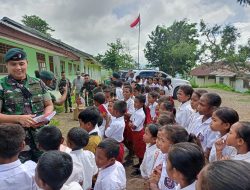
(37, 23)
(220, 44)
(116, 57)
(244, 2)
(173, 49)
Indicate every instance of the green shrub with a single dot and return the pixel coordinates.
(193, 83)
(59, 109)
(54, 122)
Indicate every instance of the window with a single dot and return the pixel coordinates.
(200, 77)
(75, 68)
(62, 66)
(70, 69)
(3, 49)
(41, 61)
(211, 77)
(221, 80)
(51, 64)
(146, 74)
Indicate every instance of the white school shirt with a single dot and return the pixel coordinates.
(102, 127)
(119, 93)
(165, 183)
(16, 175)
(111, 178)
(77, 174)
(138, 118)
(130, 106)
(96, 130)
(204, 132)
(227, 151)
(159, 157)
(189, 187)
(193, 117)
(116, 129)
(152, 108)
(87, 161)
(183, 114)
(244, 157)
(72, 186)
(168, 91)
(147, 164)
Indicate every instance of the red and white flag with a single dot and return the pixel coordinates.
(135, 22)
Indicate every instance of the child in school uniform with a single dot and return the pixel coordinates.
(222, 120)
(208, 103)
(99, 101)
(118, 90)
(13, 173)
(184, 112)
(185, 161)
(88, 119)
(77, 139)
(52, 171)
(49, 138)
(167, 87)
(117, 125)
(152, 104)
(112, 173)
(149, 138)
(137, 120)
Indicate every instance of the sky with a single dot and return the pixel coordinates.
(90, 24)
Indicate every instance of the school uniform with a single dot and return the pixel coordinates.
(16, 175)
(77, 174)
(119, 93)
(189, 187)
(94, 140)
(158, 158)
(183, 114)
(193, 117)
(65, 149)
(138, 119)
(227, 151)
(165, 183)
(87, 162)
(147, 164)
(152, 108)
(127, 131)
(103, 111)
(244, 157)
(115, 131)
(204, 132)
(72, 186)
(168, 90)
(111, 178)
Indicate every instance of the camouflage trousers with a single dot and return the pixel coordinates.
(33, 153)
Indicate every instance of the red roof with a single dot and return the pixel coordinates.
(202, 70)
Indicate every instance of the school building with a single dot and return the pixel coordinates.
(45, 52)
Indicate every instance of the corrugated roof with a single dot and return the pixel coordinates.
(223, 73)
(202, 70)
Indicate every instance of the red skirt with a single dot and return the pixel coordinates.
(138, 143)
(121, 153)
(127, 134)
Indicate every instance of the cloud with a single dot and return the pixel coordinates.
(90, 24)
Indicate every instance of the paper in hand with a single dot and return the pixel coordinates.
(45, 117)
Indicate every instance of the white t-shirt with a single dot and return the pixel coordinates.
(16, 175)
(111, 178)
(244, 157)
(130, 106)
(152, 108)
(168, 91)
(190, 187)
(227, 151)
(96, 130)
(72, 186)
(77, 174)
(183, 114)
(119, 93)
(138, 118)
(193, 117)
(116, 129)
(204, 132)
(87, 162)
(147, 164)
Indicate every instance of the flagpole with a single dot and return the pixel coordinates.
(139, 44)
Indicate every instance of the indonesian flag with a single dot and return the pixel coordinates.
(135, 22)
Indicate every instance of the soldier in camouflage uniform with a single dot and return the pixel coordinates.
(21, 99)
(88, 86)
(62, 84)
(47, 77)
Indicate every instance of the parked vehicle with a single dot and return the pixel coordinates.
(176, 83)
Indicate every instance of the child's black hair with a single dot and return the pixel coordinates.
(138, 88)
(244, 132)
(166, 118)
(227, 115)
(129, 87)
(188, 159)
(110, 146)
(188, 90)
(153, 129)
(147, 89)
(11, 138)
(120, 106)
(200, 92)
(99, 97)
(153, 94)
(49, 138)
(213, 99)
(79, 137)
(138, 77)
(54, 168)
(142, 100)
(118, 83)
(90, 114)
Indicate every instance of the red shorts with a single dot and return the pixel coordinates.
(121, 153)
(138, 143)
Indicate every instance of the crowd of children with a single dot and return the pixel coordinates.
(198, 145)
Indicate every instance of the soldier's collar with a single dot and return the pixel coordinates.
(12, 81)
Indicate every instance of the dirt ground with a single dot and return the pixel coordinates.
(240, 102)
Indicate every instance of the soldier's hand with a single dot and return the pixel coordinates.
(26, 120)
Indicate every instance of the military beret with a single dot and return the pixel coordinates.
(47, 75)
(14, 54)
(116, 75)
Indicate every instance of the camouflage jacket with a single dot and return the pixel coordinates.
(14, 99)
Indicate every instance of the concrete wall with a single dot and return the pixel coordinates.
(204, 81)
